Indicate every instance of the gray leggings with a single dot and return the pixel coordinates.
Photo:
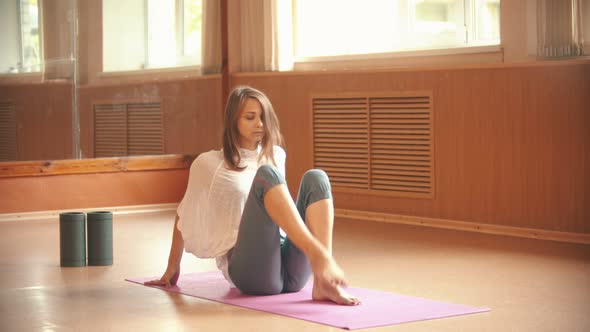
(262, 262)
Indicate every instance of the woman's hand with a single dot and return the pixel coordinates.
(326, 269)
(169, 278)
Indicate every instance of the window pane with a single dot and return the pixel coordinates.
(488, 20)
(334, 27)
(342, 27)
(123, 33)
(436, 23)
(9, 38)
(161, 34)
(192, 28)
(151, 33)
(30, 45)
(174, 33)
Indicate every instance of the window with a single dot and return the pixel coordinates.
(20, 42)
(347, 27)
(145, 34)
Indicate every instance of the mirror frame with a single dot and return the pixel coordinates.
(96, 165)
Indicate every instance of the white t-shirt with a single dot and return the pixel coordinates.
(211, 210)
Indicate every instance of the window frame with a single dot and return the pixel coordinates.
(460, 56)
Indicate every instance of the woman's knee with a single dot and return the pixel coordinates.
(316, 177)
(270, 173)
(266, 170)
(315, 186)
(267, 176)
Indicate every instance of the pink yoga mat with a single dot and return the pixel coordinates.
(377, 308)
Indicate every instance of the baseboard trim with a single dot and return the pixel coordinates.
(116, 210)
(522, 232)
(531, 233)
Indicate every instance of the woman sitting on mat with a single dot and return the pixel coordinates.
(237, 201)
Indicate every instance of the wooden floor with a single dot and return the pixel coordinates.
(530, 285)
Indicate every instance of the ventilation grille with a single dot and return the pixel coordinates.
(110, 131)
(128, 129)
(379, 144)
(340, 140)
(8, 150)
(144, 127)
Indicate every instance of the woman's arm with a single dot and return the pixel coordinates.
(172, 273)
(177, 247)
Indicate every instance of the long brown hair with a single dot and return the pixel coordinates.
(231, 134)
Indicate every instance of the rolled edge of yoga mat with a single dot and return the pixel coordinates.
(100, 238)
(72, 239)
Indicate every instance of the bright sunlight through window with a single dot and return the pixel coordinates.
(20, 42)
(347, 27)
(145, 34)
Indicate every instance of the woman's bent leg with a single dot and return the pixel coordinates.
(314, 187)
(259, 264)
(316, 206)
(255, 263)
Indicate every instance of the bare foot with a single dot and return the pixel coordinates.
(323, 291)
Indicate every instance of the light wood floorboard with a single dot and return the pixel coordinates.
(530, 285)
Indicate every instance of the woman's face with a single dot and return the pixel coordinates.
(250, 124)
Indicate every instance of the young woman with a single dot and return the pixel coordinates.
(237, 201)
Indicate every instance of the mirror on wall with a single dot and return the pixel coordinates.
(89, 79)
(37, 86)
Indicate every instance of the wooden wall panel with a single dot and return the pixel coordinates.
(511, 142)
(44, 119)
(82, 191)
(192, 110)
